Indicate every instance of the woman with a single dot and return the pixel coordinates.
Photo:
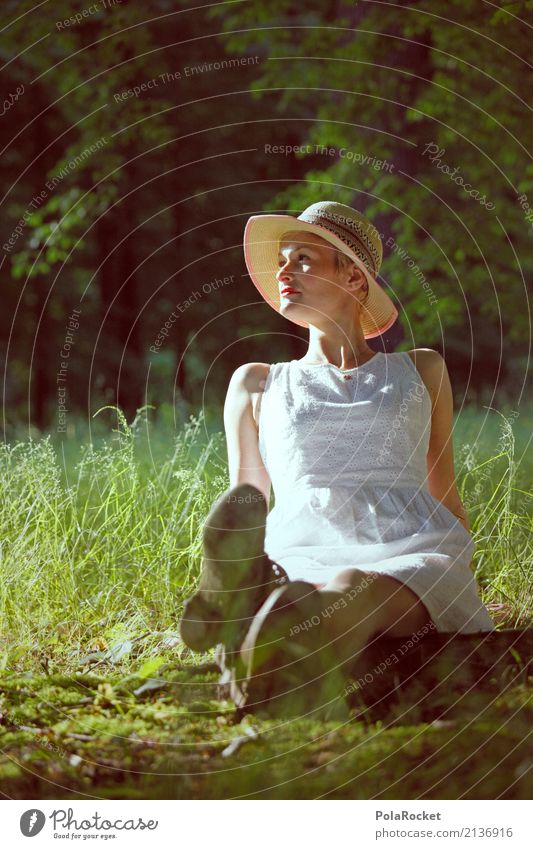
(368, 533)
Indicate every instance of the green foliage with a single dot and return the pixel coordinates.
(387, 85)
(57, 229)
(97, 156)
(130, 229)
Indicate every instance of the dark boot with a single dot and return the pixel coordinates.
(237, 575)
(286, 666)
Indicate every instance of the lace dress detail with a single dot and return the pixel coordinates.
(346, 454)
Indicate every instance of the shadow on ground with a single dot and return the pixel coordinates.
(101, 734)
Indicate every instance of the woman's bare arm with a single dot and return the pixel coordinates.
(244, 460)
(440, 459)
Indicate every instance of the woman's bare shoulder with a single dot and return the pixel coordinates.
(431, 367)
(251, 376)
(424, 355)
(426, 358)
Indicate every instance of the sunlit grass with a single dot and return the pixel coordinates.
(105, 550)
(495, 476)
(101, 552)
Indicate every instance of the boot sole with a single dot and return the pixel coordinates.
(235, 571)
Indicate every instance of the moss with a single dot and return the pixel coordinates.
(162, 747)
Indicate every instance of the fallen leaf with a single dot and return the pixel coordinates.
(151, 684)
(249, 735)
(120, 650)
(151, 666)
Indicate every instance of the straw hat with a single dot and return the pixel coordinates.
(344, 228)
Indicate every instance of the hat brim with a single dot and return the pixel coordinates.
(261, 245)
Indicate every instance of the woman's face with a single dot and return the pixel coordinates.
(315, 289)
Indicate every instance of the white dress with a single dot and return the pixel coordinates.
(346, 454)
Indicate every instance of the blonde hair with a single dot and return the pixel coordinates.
(342, 261)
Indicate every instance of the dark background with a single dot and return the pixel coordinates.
(155, 211)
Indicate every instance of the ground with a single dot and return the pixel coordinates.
(102, 734)
(99, 698)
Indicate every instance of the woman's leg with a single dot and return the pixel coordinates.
(360, 605)
(285, 650)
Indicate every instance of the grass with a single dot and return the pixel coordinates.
(101, 544)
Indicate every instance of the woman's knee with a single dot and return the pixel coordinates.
(401, 609)
(395, 609)
(350, 578)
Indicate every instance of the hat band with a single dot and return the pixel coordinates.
(358, 243)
